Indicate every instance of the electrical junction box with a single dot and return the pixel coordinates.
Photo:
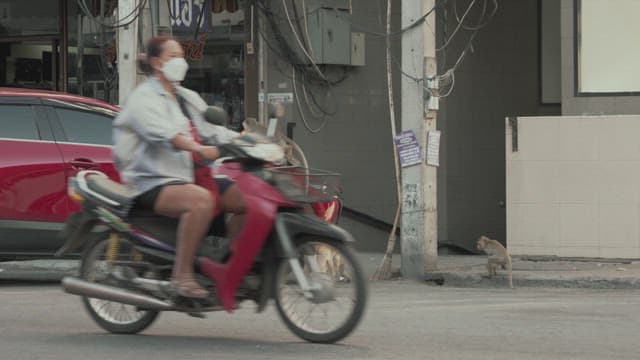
(329, 33)
(330, 36)
(357, 49)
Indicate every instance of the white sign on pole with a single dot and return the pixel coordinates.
(283, 98)
(433, 147)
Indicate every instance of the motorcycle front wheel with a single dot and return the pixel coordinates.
(98, 264)
(339, 291)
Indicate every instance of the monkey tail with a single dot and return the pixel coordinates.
(509, 269)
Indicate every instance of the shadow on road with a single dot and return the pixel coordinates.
(28, 283)
(200, 344)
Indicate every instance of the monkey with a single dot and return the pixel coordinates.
(330, 262)
(498, 256)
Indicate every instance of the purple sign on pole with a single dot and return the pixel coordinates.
(408, 149)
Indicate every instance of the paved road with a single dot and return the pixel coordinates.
(405, 320)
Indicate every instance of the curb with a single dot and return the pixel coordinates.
(474, 280)
(36, 276)
(37, 270)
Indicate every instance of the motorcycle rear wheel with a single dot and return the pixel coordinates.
(112, 316)
(290, 300)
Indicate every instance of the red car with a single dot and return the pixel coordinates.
(46, 137)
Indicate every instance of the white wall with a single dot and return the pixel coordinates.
(573, 187)
(608, 46)
(585, 105)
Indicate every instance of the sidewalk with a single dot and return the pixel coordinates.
(453, 270)
(470, 271)
(37, 270)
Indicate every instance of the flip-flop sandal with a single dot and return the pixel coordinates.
(189, 288)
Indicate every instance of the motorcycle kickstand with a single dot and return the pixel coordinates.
(196, 313)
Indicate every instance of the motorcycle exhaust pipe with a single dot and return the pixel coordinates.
(76, 286)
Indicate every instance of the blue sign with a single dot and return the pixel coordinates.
(185, 14)
(408, 148)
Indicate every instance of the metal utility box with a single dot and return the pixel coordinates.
(357, 49)
(328, 27)
(313, 5)
(330, 36)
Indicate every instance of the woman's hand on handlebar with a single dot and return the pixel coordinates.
(208, 152)
(183, 142)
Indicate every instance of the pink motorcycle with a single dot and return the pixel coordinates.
(284, 252)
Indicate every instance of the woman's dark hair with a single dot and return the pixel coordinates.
(154, 49)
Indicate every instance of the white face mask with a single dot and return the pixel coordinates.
(175, 69)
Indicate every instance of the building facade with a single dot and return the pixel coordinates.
(325, 59)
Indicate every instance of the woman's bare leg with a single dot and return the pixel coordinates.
(233, 203)
(194, 206)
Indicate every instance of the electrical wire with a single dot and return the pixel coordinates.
(136, 12)
(316, 103)
(449, 75)
(306, 26)
(464, 52)
(458, 27)
(295, 35)
(296, 15)
(287, 53)
(109, 73)
(306, 100)
(300, 111)
(453, 84)
(419, 21)
(481, 23)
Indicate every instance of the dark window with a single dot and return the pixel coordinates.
(86, 127)
(18, 122)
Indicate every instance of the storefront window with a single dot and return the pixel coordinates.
(28, 64)
(91, 58)
(29, 44)
(215, 52)
(32, 47)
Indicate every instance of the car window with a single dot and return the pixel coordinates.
(86, 127)
(18, 122)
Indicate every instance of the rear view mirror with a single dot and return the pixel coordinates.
(215, 115)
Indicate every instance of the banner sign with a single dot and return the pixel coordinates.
(186, 13)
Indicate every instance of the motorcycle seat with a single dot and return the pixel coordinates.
(111, 190)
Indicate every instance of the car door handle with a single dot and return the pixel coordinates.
(83, 164)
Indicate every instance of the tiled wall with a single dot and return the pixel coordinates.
(573, 187)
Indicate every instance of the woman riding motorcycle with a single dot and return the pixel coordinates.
(155, 150)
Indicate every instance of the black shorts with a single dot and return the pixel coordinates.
(223, 183)
(147, 200)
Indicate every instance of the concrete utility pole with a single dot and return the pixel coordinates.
(419, 231)
(127, 50)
